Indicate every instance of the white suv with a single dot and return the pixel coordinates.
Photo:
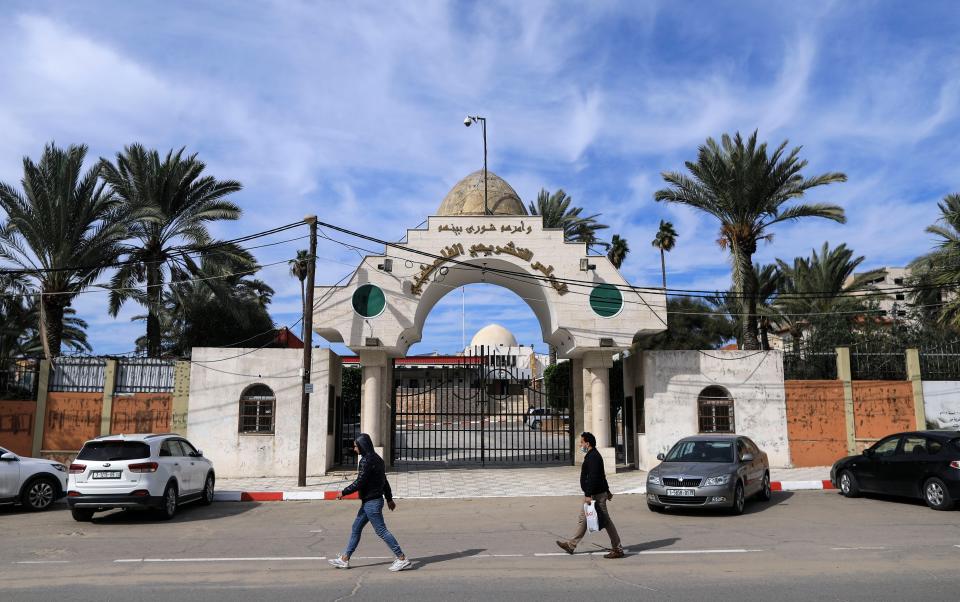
(138, 471)
(32, 482)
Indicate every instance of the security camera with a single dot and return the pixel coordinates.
(467, 121)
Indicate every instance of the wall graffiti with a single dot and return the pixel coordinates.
(16, 425)
(142, 413)
(71, 419)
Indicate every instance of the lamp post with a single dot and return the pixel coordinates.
(470, 119)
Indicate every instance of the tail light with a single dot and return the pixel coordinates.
(955, 464)
(141, 493)
(73, 494)
(143, 467)
(77, 468)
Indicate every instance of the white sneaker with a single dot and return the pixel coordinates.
(399, 565)
(340, 563)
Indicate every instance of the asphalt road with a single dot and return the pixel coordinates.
(800, 546)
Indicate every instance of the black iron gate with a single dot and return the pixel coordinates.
(347, 419)
(483, 409)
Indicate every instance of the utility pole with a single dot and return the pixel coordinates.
(311, 220)
(483, 124)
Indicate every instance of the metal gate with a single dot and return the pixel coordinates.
(347, 418)
(483, 409)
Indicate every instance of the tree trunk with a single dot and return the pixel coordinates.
(764, 337)
(553, 355)
(303, 308)
(797, 335)
(663, 269)
(746, 286)
(54, 319)
(44, 332)
(154, 293)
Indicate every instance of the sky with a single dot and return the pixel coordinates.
(353, 112)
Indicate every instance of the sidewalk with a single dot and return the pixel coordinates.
(479, 483)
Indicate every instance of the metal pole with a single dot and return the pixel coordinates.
(483, 123)
(311, 220)
(463, 318)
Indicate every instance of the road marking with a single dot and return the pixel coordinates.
(254, 559)
(862, 548)
(42, 562)
(733, 551)
(552, 554)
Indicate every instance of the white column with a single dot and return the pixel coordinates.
(373, 363)
(597, 365)
(600, 396)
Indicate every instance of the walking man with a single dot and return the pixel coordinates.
(373, 487)
(593, 482)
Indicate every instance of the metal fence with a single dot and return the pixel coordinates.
(77, 374)
(810, 361)
(878, 360)
(940, 362)
(19, 378)
(144, 375)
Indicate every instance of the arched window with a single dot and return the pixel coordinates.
(715, 410)
(257, 405)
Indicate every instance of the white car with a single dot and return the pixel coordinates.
(32, 482)
(138, 471)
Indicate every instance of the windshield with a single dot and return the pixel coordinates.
(701, 451)
(106, 451)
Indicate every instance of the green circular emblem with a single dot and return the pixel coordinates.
(606, 300)
(368, 301)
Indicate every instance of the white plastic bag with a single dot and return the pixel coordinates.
(593, 521)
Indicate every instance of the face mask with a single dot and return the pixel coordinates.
(584, 449)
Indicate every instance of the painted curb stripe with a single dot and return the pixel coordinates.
(278, 496)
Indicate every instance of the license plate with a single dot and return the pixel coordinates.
(106, 474)
(680, 492)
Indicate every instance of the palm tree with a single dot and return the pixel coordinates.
(820, 287)
(618, 250)
(61, 231)
(174, 202)
(665, 240)
(746, 189)
(298, 269)
(939, 270)
(768, 278)
(557, 213)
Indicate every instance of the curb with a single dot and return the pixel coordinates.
(287, 496)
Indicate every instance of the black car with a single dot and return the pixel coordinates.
(919, 464)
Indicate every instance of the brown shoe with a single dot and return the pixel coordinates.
(565, 546)
(615, 553)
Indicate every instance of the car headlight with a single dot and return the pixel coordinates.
(653, 479)
(59, 467)
(721, 480)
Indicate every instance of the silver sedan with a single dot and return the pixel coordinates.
(714, 471)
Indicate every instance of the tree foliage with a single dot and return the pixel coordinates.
(748, 191)
(693, 325)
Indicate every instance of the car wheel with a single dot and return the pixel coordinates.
(82, 515)
(39, 494)
(936, 495)
(739, 501)
(207, 497)
(655, 508)
(536, 425)
(169, 507)
(765, 491)
(848, 484)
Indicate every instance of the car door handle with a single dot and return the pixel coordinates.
(176, 464)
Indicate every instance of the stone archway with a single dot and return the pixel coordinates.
(579, 299)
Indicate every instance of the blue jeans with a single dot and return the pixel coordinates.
(371, 512)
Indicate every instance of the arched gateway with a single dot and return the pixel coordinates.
(579, 300)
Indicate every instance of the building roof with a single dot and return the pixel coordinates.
(466, 197)
(493, 335)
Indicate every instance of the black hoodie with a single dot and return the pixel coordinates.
(371, 475)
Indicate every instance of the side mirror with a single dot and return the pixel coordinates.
(868, 452)
(661, 456)
(197, 454)
(747, 457)
(9, 457)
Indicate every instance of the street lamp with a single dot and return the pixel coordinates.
(469, 119)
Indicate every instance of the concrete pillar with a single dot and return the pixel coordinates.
(373, 364)
(597, 365)
(845, 375)
(109, 384)
(181, 398)
(40, 416)
(916, 380)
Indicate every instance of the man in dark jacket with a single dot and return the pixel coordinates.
(373, 487)
(593, 482)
